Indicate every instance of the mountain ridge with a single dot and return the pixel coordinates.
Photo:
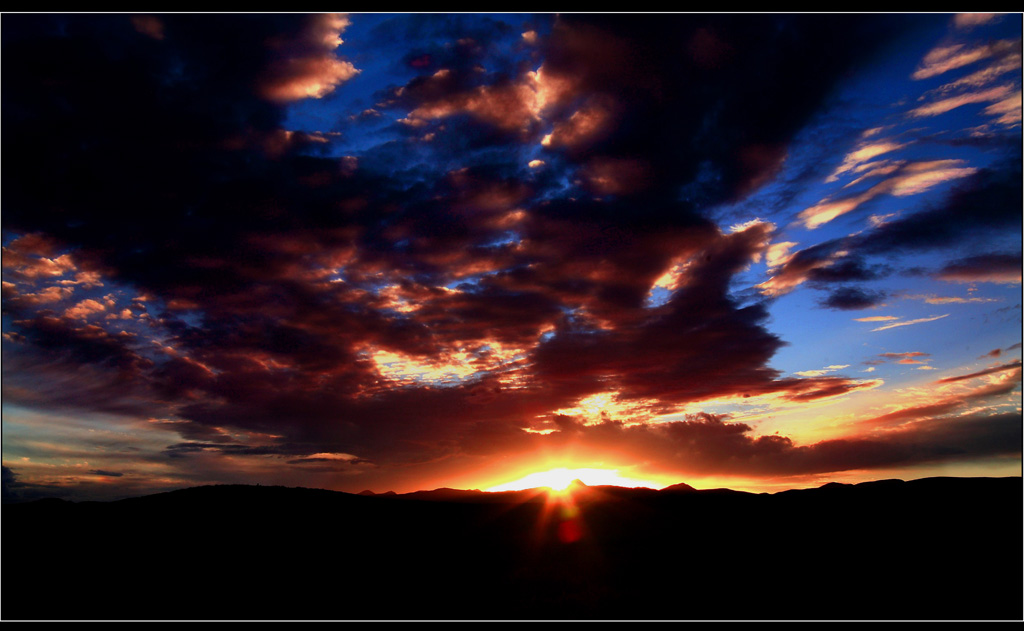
(933, 548)
(449, 494)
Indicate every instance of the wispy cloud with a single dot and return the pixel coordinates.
(981, 373)
(950, 300)
(970, 20)
(997, 94)
(1008, 110)
(950, 57)
(978, 78)
(823, 371)
(909, 322)
(862, 156)
(910, 179)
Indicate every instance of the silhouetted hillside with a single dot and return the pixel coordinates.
(938, 548)
(679, 488)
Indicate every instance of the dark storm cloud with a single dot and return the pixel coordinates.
(273, 271)
(700, 344)
(660, 98)
(676, 80)
(192, 431)
(707, 443)
(853, 298)
(847, 270)
(59, 340)
(998, 268)
(57, 363)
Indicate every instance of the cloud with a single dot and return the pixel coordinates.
(1007, 63)
(304, 63)
(797, 268)
(903, 356)
(584, 126)
(875, 169)
(916, 358)
(187, 429)
(593, 66)
(852, 298)
(986, 201)
(859, 159)
(910, 179)
(510, 107)
(710, 445)
(979, 208)
(149, 25)
(822, 265)
(1003, 100)
(823, 371)
(988, 371)
(16, 490)
(778, 253)
(943, 399)
(948, 57)
(947, 300)
(34, 256)
(985, 268)
(1007, 109)
(84, 309)
(999, 94)
(909, 322)
(15, 301)
(970, 20)
(616, 176)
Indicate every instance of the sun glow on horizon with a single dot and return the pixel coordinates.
(559, 479)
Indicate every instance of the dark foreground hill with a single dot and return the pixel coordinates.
(938, 548)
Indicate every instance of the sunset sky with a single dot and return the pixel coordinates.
(401, 252)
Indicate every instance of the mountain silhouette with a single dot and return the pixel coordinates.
(677, 488)
(936, 548)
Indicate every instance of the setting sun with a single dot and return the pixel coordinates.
(559, 479)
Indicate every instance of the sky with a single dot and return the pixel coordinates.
(411, 251)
